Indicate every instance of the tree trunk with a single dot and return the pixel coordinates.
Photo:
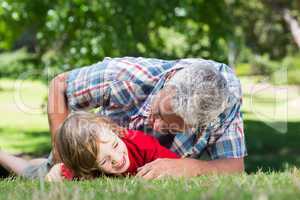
(293, 24)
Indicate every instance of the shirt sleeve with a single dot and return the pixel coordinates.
(66, 172)
(231, 144)
(93, 87)
(155, 150)
(87, 87)
(230, 139)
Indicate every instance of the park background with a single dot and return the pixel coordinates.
(260, 39)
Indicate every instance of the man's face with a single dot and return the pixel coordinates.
(113, 154)
(162, 116)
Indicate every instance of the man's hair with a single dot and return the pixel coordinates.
(201, 93)
(77, 142)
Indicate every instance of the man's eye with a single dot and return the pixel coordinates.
(156, 116)
(116, 145)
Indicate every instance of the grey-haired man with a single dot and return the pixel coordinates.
(191, 105)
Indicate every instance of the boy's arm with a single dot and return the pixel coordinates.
(55, 174)
(57, 107)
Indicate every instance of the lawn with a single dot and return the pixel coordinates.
(23, 124)
(272, 131)
(272, 125)
(284, 185)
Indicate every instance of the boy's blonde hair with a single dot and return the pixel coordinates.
(77, 142)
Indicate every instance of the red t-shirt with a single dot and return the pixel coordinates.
(142, 149)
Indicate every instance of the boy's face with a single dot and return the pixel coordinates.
(113, 155)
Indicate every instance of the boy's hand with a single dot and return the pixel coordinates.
(54, 174)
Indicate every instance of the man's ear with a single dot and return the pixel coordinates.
(165, 103)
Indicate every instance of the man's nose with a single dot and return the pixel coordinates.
(151, 120)
(156, 125)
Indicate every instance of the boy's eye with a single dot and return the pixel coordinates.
(103, 162)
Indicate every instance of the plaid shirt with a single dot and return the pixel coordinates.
(123, 89)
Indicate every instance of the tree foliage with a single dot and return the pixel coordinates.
(66, 34)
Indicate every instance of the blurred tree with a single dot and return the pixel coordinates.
(261, 26)
(20, 21)
(287, 8)
(294, 25)
(73, 33)
(85, 31)
(70, 33)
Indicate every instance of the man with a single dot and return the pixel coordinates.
(191, 105)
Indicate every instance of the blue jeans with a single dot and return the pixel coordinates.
(38, 171)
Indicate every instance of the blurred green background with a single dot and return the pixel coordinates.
(260, 39)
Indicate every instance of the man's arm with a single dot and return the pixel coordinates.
(187, 167)
(226, 158)
(57, 107)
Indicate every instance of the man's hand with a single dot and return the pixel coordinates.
(187, 167)
(166, 167)
(54, 174)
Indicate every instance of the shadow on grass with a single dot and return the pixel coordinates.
(269, 149)
(3, 172)
(36, 144)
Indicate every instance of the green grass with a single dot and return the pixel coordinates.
(285, 185)
(272, 128)
(23, 124)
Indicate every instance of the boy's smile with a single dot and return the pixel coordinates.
(113, 154)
